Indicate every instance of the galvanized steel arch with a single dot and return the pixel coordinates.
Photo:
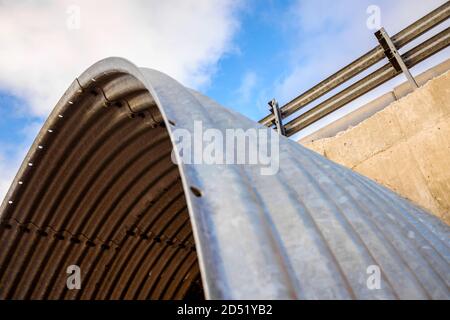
(98, 189)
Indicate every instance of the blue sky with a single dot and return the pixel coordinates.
(240, 53)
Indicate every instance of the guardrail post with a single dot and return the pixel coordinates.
(394, 57)
(275, 109)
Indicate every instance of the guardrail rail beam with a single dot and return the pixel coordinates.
(388, 47)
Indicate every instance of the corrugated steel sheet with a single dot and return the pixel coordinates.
(98, 189)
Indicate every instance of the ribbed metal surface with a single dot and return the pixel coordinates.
(102, 193)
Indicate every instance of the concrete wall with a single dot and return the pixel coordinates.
(405, 146)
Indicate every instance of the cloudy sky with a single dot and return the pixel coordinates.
(241, 53)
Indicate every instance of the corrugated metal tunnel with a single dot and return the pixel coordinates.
(98, 189)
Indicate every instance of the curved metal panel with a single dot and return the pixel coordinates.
(98, 189)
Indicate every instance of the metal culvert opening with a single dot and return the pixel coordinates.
(98, 191)
(102, 194)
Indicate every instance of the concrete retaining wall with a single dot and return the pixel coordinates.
(405, 146)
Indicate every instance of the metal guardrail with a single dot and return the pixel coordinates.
(378, 77)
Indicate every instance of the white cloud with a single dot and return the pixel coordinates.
(42, 50)
(40, 55)
(246, 88)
